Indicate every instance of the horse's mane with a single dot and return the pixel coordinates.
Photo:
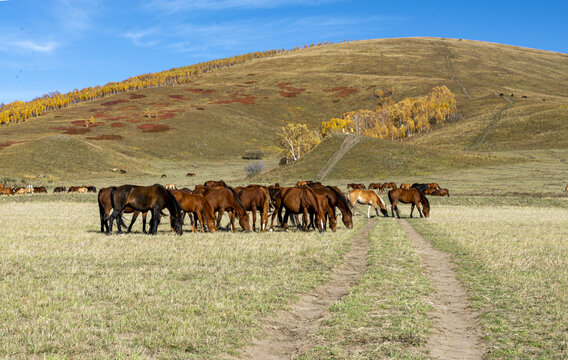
(423, 198)
(237, 199)
(171, 196)
(341, 197)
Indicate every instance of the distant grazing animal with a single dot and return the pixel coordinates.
(405, 186)
(512, 95)
(114, 169)
(524, 97)
(152, 198)
(199, 207)
(389, 185)
(356, 186)
(566, 188)
(421, 187)
(367, 197)
(1, 186)
(301, 183)
(39, 190)
(214, 183)
(105, 208)
(255, 197)
(429, 191)
(163, 176)
(122, 171)
(190, 174)
(59, 189)
(29, 189)
(225, 199)
(441, 192)
(20, 191)
(91, 188)
(409, 196)
(170, 186)
(376, 186)
(7, 191)
(501, 94)
(296, 200)
(77, 189)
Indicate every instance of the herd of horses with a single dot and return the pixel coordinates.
(30, 189)
(206, 204)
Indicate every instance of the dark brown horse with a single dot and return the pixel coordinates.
(338, 200)
(409, 196)
(199, 207)
(59, 189)
(376, 186)
(324, 203)
(298, 201)
(152, 198)
(225, 199)
(389, 185)
(356, 186)
(442, 192)
(40, 189)
(255, 197)
(105, 208)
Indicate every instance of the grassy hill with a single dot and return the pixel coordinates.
(231, 110)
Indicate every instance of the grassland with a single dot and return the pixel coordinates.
(514, 261)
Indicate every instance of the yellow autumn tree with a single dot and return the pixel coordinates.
(296, 139)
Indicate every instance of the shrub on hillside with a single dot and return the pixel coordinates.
(255, 168)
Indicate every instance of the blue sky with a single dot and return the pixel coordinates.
(59, 45)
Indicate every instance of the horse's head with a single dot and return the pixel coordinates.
(333, 223)
(211, 225)
(176, 223)
(347, 220)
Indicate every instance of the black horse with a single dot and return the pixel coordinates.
(152, 198)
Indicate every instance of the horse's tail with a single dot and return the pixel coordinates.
(112, 196)
(101, 211)
(350, 202)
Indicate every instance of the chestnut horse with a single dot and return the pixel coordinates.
(356, 186)
(434, 186)
(405, 186)
(255, 197)
(324, 203)
(367, 197)
(105, 207)
(215, 183)
(441, 192)
(145, 198)
(389, 185)
(199, 206)
(376, 186)
(297, 201)
(338, 200)
(409, 196)
(225, 199)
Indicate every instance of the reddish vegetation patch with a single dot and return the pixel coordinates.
(117, 125)
(105, 137)
(114, 102)
(250, 82)
(177, 97)
(137, 96)
(153, 127)
(342, 91)
(127, 107)
(201, 91)
(135, 120)
(236, 98)
(81, 123)
(10, 143)
(289, 91)
(114, 118)
(72, 130)
(167, 115)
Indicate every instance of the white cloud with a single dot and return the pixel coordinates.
(46, 47)
(172, 6)
(142, 37)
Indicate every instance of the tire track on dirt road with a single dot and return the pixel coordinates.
(456, 333)
(287, 333)
(494, 120)
(346, 145)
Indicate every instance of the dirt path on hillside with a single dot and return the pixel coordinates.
(494, 120)
(346, 145)
(287, 333)
(456, 332)
(454, 77)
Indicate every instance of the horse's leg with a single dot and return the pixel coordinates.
(134, 217)
(155, 214)
(419, 211)
(200, 218)
(411, 209)
(376, 210)
(306, 214)
(254, 218)
(369, 211)
(183, 217)
(232, 220)
(219, 216)
(144, 215)
(285, 221)
(396, 208)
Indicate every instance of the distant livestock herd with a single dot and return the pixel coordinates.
(30, 189)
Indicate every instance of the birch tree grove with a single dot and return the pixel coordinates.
(296, 139)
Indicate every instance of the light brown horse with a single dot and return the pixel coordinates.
(297, 201)
(325, 204)
(376, 186)
(356, 186)
(409, 196)
(434, 186)
(441, 192)
(255, 197)
(389, 185)
(78, 189)
(7, 191)
(429, 191)
(225, 199)
(367, 197)
(405, 186)
(199, 207)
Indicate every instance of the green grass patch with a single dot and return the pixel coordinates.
(385, 315)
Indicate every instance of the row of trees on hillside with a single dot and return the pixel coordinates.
(20, 111)
(396, 120)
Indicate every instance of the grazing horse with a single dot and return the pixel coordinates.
(409, 196)
(255, 197)
(170, 186)
(405, 186)
(214, 183)
(163, 176)
(339, 201)
(356, 186)
(421, 187)
(225, 199)
(389, 185)
(105, 207)
(199, 206)
(190, 174)
(145, 198)
(297, 201)
(434, 186)
(376, 186)
(59, 189)
(7, 191)
(367, 197)
(78, 189)
(91, 188)
(429, 191)
(441, 192)
(324, 203)
(40, 189)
